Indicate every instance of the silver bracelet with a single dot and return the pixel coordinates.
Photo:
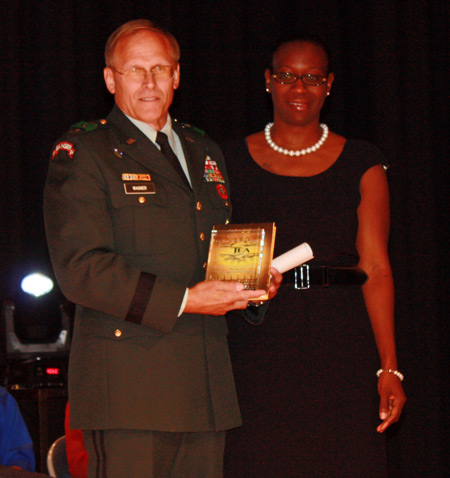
(389, 370)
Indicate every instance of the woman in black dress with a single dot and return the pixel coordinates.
(307, 376)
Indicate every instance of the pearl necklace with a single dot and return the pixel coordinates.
(296, 152)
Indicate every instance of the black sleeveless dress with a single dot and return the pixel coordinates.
(306, 376)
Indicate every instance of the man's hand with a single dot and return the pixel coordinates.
(218, 297)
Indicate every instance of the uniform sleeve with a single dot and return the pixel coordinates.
(16, 446)
(80, 236)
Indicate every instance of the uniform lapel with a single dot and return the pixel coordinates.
(194, 152)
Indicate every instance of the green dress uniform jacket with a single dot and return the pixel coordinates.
(126, 237)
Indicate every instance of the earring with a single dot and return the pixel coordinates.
(328, 93)
(267, 90)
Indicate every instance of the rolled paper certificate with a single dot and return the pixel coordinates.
(293, 258)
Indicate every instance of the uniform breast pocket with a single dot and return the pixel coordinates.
(139, 219)
(218, 195)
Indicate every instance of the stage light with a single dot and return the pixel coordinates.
(37, 284)
(36, 323)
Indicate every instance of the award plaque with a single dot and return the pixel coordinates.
(242, 253)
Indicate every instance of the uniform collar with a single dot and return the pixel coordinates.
(151, 132)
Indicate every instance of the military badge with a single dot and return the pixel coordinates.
(222, 190)
(64, 146)
(118, 153)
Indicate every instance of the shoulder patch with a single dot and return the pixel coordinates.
(86, 126)
(64, 146)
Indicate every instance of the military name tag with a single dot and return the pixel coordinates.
(139, 188)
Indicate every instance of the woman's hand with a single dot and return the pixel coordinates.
(392, 400)
(275, 282)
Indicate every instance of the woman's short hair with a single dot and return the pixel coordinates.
(300, 38)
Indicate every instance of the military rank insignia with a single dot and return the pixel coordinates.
(212, 173)
(85, 126)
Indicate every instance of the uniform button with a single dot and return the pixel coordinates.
(227, 203)
(142, 199)
(202, 236)
(199, 206)
(117, 332)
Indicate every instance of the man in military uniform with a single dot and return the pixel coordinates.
(150, 381)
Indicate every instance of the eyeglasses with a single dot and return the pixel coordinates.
(285, 77)
(158, 72)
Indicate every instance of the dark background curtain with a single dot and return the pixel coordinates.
(392, 88)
